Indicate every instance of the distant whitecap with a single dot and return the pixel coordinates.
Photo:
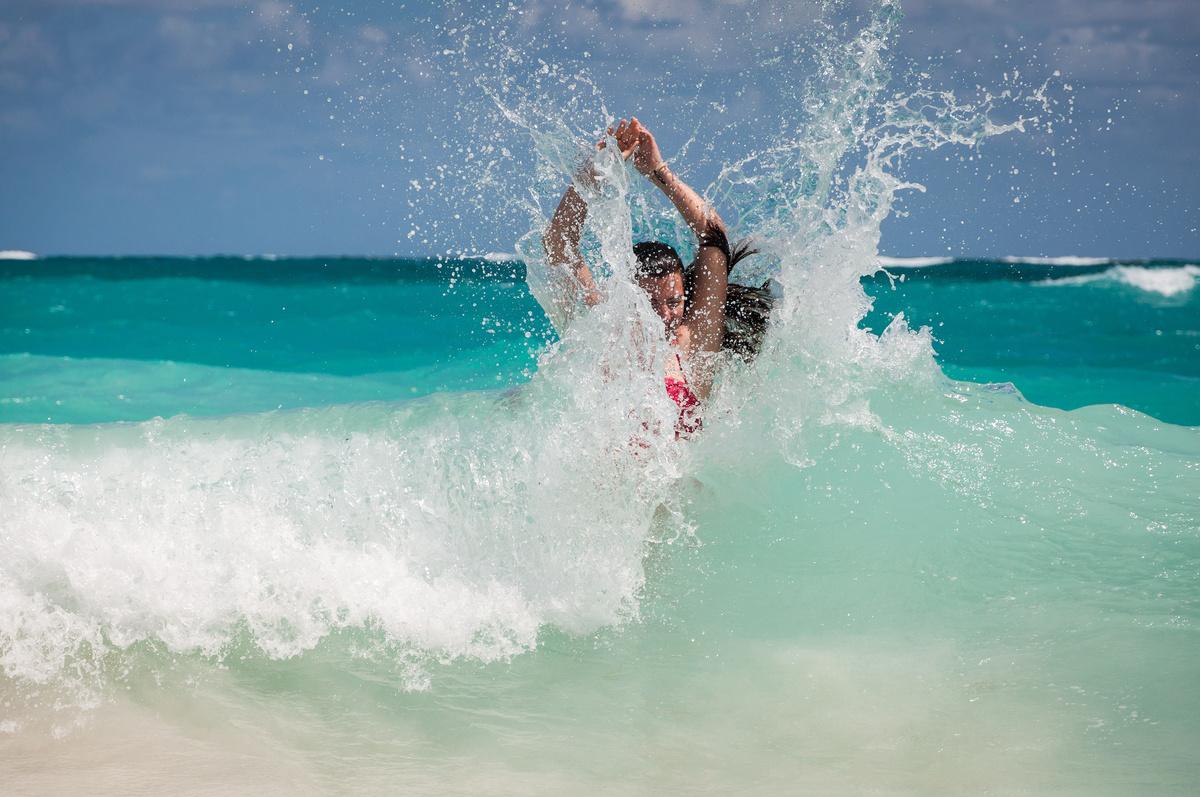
(1068, 260)
(1163, 281)
(1167, 281)
(913, 262)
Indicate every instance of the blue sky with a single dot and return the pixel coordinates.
(190, 127)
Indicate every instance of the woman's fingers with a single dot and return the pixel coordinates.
(625, 141)
(624, 132)
(628, 133)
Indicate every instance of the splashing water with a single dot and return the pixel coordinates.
(861, 576)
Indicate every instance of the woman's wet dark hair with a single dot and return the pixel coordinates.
(747, 313)
(656, 259)
(747, 309)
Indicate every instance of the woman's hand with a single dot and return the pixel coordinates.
(637, 142)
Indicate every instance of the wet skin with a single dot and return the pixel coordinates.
(666, 297)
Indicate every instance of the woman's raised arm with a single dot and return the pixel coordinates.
(634, 139)
(573, 279)
(703, 325)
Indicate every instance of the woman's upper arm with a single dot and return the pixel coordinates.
(705, 315)
(560, 241)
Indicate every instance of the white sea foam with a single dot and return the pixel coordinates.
(501, 257)
(17, 254)
(459, 526)
(1067, 260)
(913, 262)
(1171, 281)
(1167, 281)
(451, 526)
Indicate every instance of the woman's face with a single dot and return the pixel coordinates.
(666, 297)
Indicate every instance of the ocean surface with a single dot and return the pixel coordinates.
(97, 340)
(319, 526)
(347, 526)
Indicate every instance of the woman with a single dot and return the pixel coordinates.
(691, 304)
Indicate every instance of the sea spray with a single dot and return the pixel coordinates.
(454, 525)
(812, 200)
(861, 576)
(461, 525)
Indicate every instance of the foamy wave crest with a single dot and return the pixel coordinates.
(17, 254)
(1163, 281)
(913, 262)
(451, 526)
(1067, 260)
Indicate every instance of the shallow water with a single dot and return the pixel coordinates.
(340, 525)
(957, 590)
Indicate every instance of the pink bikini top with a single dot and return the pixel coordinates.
(689, 406)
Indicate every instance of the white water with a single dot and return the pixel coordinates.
(861, 577)
(462, 526)
(1162, 281)
(1067, 260)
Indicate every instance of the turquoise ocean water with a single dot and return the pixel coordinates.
(309, 526)
(334, 525)
(96, 340)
